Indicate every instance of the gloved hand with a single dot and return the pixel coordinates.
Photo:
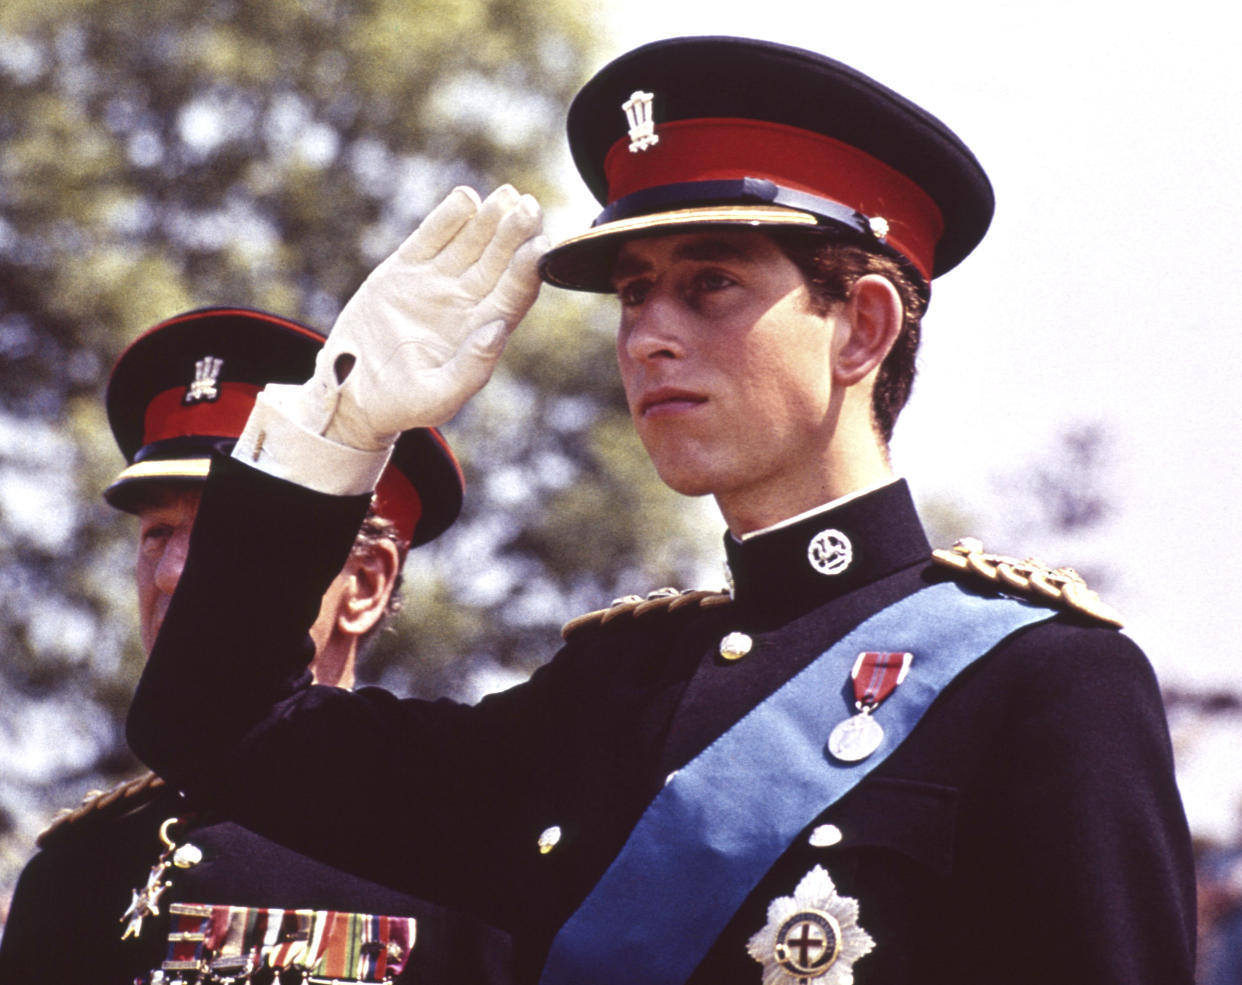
(424, 331)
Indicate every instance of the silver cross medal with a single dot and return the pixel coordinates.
(145, 902)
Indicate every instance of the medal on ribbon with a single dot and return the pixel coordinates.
(875, 676)
(145, 902)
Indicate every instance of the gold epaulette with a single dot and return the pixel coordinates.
(1062, 586)
(99, 805)
(630, 608)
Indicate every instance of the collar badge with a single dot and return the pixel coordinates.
(642, 127)
(205, 385)
(811, 937)
(830, 552)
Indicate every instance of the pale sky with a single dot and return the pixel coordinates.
(1107, 289)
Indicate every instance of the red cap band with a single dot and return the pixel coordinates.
(397, 499)
(716, 149)
(169, 416)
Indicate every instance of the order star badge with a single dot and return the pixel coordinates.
(812, 936)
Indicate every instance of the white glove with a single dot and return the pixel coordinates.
(424, 331)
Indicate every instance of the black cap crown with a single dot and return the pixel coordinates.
(727, 131)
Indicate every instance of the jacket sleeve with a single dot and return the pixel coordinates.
(1073, 840)
(235, 637)
(404, 792)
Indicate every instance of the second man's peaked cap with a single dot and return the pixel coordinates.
(186, 387)
(698, 131)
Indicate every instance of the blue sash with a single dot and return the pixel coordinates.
(711, 833)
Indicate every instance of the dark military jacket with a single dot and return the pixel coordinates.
(1028, 830)
(67, 916)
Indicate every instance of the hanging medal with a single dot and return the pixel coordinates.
(145, 902)
(875, 677)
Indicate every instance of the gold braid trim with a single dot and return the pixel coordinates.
(1064, 587)
(633, 608)
(102, 805)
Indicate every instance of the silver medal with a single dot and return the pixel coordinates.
(856, 738)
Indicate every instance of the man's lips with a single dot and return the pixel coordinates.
(668, 400)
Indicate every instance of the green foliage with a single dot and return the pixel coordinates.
(163, 156)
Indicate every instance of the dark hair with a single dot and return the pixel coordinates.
(831, 269)
(374, 530)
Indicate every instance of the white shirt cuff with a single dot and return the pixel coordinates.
(276, 443)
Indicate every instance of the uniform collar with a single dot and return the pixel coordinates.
(816, 511)
(800, 564)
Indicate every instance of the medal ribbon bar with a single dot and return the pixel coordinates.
(231, 941)
(876, 675)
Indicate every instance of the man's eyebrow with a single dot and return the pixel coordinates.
(707, 249)
(628, 265)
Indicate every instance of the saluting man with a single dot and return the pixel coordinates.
(117, 880)
(866, 761)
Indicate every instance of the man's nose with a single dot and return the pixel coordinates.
(657, 330)
(172, 562)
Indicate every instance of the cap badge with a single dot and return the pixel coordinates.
(206, 379)
(830, 552)
(642, 127)
(811, 936)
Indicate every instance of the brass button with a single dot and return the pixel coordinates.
(187, 856)
(549, 839)
(735, 646)
(825, 836)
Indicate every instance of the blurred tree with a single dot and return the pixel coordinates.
(1052, 509)
(158, 157)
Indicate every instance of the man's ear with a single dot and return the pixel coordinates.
(871, 322)
(371, 577)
